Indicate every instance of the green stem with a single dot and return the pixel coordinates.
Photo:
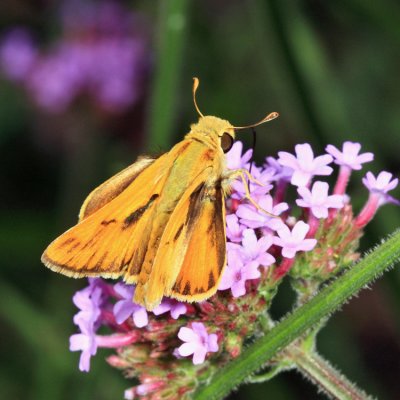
(324, 375)
(303, 318)
(171, 36)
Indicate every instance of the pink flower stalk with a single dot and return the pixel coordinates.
(318, 200)
(197, 342)
(294, 240)
(349, 159)
(117, 340)
(378, 195)
(304, 165)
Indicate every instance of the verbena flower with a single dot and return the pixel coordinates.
(125, 308)
(178, 346)
(197, 342)
(100, 55)
(318, 200)
(294, 240)
(304, 165)
(237, 273)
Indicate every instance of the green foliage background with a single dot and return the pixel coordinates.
(329, 68)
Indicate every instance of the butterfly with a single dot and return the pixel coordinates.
(159, 223)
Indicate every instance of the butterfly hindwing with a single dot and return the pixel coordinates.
(191, 255)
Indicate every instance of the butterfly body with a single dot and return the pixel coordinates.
(160, 223)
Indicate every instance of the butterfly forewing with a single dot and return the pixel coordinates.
(102, 244)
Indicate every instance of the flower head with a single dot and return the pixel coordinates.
(349, 156)
(125, 308)
(318, 200)
(304, 165)
(197, 342)
(294, 240)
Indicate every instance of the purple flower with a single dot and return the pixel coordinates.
(378, 196)
(294, 241)
(176, 308)
(234, 230)
(381, 184)
(85, 342)
(237, 273)
(318, 200)
(304, 165)
(90, 301)
(262, 176)
(253, 250)
(125, 308)
(349, 156)
(100, 55)
(234, 157)
(197, 342)
(17, 54)
(280, 172)
(254, 218)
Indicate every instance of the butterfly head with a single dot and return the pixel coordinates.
(220, 131)
(216, 130)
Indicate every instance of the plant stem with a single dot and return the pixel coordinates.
(171, 38)
(303, 318)
(324, 375)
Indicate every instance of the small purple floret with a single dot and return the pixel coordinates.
(318, 200)
(294, 240)
(126, 308)
(197, 342)
(304, 165)
(349, 156)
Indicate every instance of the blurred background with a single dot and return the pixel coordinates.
(86, 86)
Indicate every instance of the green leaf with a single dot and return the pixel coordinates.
(329, 299)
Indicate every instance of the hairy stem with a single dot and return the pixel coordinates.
(327, 378)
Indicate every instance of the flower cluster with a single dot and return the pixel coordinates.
(101, 54)
(176, 347)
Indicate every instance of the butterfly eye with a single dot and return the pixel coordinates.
(226, 142)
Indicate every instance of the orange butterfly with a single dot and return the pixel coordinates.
(160, 223)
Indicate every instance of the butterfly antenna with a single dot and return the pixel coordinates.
(196, 83)
(267, 118)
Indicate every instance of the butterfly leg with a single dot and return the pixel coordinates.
(242, 174)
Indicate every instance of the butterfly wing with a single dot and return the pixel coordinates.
(103, 244)
(114, 186)
(192, 252)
